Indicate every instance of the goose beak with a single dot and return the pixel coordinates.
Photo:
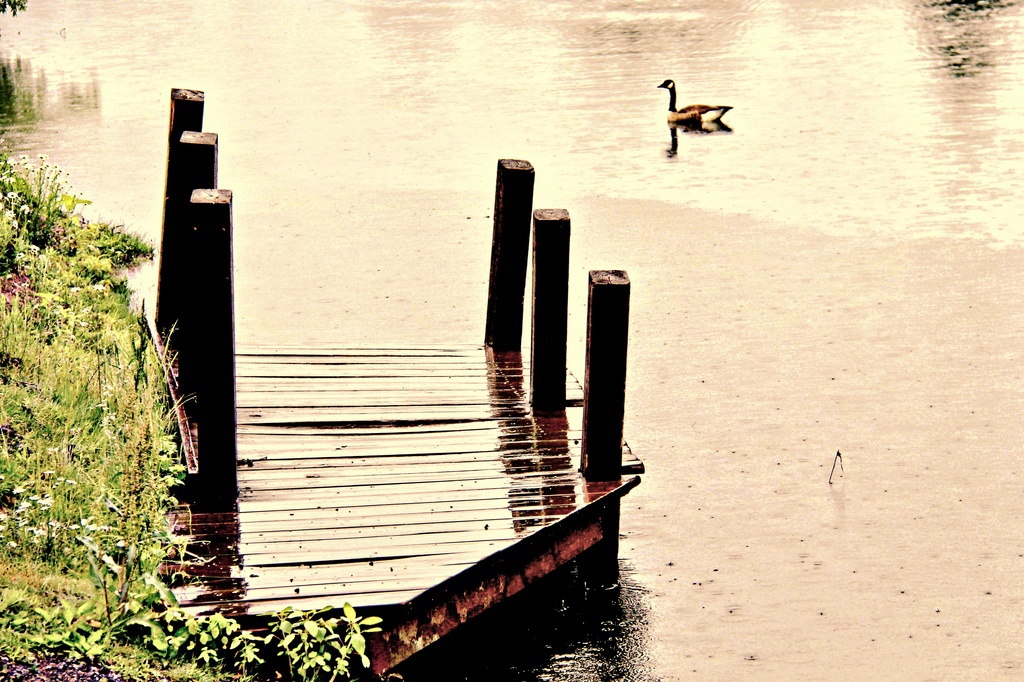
(665, 84)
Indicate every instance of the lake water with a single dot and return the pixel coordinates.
(838, 272)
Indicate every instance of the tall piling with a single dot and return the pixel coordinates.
(604, 390)
(206, 350)
(510, 247)
(551, 229)
(191, 164)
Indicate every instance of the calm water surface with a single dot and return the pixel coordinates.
(836, 272)
(900, 117)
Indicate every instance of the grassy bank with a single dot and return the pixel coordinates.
(86, 457)
(89, 464)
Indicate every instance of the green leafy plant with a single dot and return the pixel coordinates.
(13, 5)
(319, 648)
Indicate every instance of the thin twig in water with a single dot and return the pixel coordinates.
(838, 458)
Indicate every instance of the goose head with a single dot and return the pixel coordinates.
(671, 87)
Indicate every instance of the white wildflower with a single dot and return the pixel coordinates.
(18, 490)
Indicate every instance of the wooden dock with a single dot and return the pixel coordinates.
(420, 484)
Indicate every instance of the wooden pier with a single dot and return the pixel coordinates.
(420, 484)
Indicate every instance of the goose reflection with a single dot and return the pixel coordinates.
(693, 128)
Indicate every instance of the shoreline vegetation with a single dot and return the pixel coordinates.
(89, 462)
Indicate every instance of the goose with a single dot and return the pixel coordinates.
(696, 114)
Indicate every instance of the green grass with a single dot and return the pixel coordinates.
(86, 447)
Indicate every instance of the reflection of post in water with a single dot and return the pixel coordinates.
(211, 555)
(964, 34)
(533, 449)
(554, 462)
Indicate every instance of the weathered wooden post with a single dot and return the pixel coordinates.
(206, 349)
(510, 245)
(191, 164)
(194, 166)
(604, 396)
(604, 390)
(550, 309)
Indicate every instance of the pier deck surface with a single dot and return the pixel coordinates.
(374, 475)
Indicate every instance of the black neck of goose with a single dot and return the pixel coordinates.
(672, 98)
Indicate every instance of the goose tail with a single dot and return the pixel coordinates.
(715, 114)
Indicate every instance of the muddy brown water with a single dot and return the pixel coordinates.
(840, 272)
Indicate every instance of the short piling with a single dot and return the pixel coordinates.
(551, 228)
(604, 389)
(206, 349)
(510, 246)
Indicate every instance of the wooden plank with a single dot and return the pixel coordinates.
(507, 427)
(308, 349)
(409, 569)
(404, 476)
(348, 551)
(522, 520)
(366, 517)
(410, 493)
(386, 528)
(396, 465)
